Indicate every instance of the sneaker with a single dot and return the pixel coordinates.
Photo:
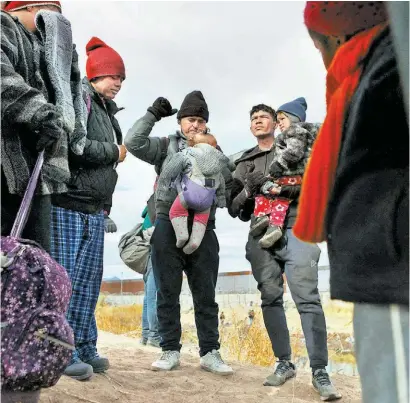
(284, 371)
(79, 371)
(213, 362)
(99, 364)
(260, 225)
(143, 341)
(168, 360)
(154, 343)
(273, 234)
(323, 385)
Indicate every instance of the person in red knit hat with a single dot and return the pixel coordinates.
(105, 68)
(80, 217)
(355, 192)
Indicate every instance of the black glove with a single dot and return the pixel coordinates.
(109, 225)
(275, 170)
(254, 181)
(50, 136)
(236, 188)
(162, 108)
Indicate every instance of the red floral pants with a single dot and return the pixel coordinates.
(276, 207)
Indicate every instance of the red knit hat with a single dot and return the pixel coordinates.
(337, 18)
(19, 5)
(103, 60)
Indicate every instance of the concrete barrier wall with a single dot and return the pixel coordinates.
(223, 300)
(228, 283)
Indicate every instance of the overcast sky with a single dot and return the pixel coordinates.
(237, 53)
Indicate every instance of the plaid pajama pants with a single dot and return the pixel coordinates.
(77, 243)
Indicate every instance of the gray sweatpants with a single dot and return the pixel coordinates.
(298, 260)
(382, 352)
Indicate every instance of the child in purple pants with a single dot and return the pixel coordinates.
(196, 172)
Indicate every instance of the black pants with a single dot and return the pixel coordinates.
(201, 268)
(39, 219)
(299, 262)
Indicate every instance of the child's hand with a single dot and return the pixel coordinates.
(275, 190)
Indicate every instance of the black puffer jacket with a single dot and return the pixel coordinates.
(242, 207)
(93, 175)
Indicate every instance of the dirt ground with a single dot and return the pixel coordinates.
(131, 380)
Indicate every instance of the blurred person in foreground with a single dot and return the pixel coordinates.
(359, 203)
(41, 105)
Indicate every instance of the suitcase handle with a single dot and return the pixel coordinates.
(24, 209)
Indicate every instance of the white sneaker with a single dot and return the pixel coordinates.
(168, 360)
(213, 362)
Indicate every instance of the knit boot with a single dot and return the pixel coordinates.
(198, 232)
(273, 234)
(180, 225)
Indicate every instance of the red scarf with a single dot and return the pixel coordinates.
(342, 79)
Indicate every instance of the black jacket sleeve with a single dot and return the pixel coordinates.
(98, 153)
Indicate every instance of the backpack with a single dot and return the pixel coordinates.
(169, 146)
(36, 339)
(135, 249)
(87, 100)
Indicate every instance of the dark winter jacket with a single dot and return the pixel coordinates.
(368, 214)
(293, 147)
(94, 176)
(239, 205)
(28, 99)
(152, 151)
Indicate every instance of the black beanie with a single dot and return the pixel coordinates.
(194, 105)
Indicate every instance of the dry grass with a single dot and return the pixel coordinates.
(124, 319)
(246, 343)
(243, 343)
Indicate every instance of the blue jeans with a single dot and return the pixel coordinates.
(149, 310)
